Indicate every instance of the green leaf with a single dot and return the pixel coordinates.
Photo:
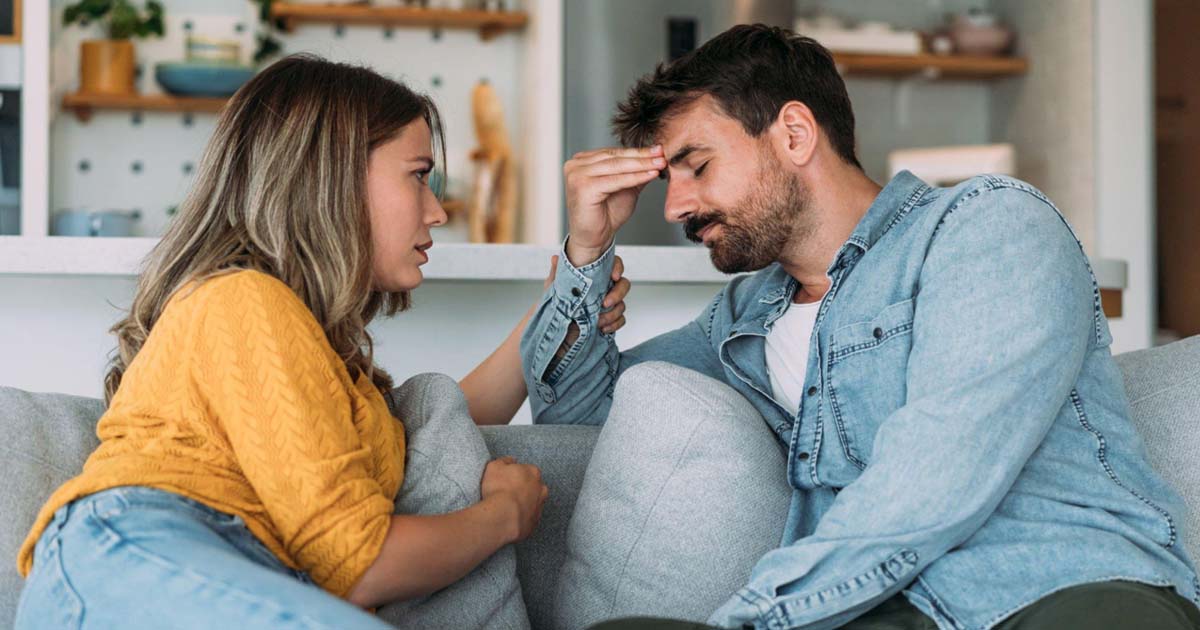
(86, 9)
(123, 19)
(267, 47)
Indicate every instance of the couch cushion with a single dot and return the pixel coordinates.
(46, 439)
(1163, 386)
(685, 491)
(561, 452)
(444, 466)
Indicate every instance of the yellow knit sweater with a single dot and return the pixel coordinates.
(238, 401)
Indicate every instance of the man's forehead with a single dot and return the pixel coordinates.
(700, 124)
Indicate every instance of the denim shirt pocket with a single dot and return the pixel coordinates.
(867, 368)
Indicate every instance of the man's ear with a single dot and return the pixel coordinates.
(797, 132)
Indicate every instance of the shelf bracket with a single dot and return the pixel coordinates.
(83, 114)
(488, 32)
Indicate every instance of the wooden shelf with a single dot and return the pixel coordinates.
(930, 66)
(488, 23)
(85, 104)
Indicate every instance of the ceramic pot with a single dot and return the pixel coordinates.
(107, 66)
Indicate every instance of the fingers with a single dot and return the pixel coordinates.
(553, 272)
(613, 320)
(609, 184)
(618, 268)
(617, 293)
(608, 153)
(507, 460)
(616, 166)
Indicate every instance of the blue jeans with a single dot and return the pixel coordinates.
(136, 557)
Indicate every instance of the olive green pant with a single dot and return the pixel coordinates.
(1100, 606)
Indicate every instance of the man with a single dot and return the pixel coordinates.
(935, 360)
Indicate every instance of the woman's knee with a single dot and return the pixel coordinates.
(446, 454)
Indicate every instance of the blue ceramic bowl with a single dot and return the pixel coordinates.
(191, 78)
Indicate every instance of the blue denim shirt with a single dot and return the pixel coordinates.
(964, 437)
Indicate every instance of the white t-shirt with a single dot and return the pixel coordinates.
(787, 352)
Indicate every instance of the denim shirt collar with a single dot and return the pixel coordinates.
(890, 205)
(893, 202)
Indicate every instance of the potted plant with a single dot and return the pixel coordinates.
(107, 66)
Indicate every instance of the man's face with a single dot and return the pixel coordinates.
(730, 191)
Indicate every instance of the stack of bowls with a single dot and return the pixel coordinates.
(213, 68)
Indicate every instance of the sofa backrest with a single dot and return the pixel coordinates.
(45, 438)
(1163, 387)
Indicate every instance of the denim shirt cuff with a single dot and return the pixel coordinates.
(746, 609)
(581, 289)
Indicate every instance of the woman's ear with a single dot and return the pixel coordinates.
(798, 132)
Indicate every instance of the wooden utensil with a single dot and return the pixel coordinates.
(492, 214)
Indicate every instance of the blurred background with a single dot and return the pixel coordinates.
(104, 112)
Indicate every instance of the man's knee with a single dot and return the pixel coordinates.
(1107, 606)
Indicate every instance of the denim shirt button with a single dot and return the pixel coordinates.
(802, 456)
(878, 332)
(812, 391)
(576, 292)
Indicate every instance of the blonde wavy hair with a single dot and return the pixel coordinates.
(281, 189)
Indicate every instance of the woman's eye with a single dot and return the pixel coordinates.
(700, 171)
(422, 176)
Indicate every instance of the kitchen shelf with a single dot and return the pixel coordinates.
(84, 105)
(931, 66)
(488, 23)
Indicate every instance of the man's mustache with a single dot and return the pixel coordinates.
(697, 222)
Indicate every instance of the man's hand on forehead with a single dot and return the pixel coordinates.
(602, 186)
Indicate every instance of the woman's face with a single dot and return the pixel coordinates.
(402, 206)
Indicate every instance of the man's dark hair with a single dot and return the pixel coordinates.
(751, 71)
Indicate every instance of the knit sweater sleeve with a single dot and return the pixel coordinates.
(266, 372)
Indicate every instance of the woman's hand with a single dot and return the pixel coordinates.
(495, 389)
(520, 484)
(424, 553)
(612, 317)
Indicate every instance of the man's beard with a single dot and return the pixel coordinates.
(766, 221)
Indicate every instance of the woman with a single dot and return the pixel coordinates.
(248, 450)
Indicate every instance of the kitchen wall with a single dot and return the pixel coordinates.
(147, 161)
(912, 112)
(1049, 114)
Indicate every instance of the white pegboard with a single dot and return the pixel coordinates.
(119, 160)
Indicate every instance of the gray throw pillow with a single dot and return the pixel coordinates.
(1163, 386)
(442, 473)
(686, 490)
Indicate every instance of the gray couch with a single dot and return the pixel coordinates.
(46, 438)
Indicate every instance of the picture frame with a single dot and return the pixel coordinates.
(10, 21)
